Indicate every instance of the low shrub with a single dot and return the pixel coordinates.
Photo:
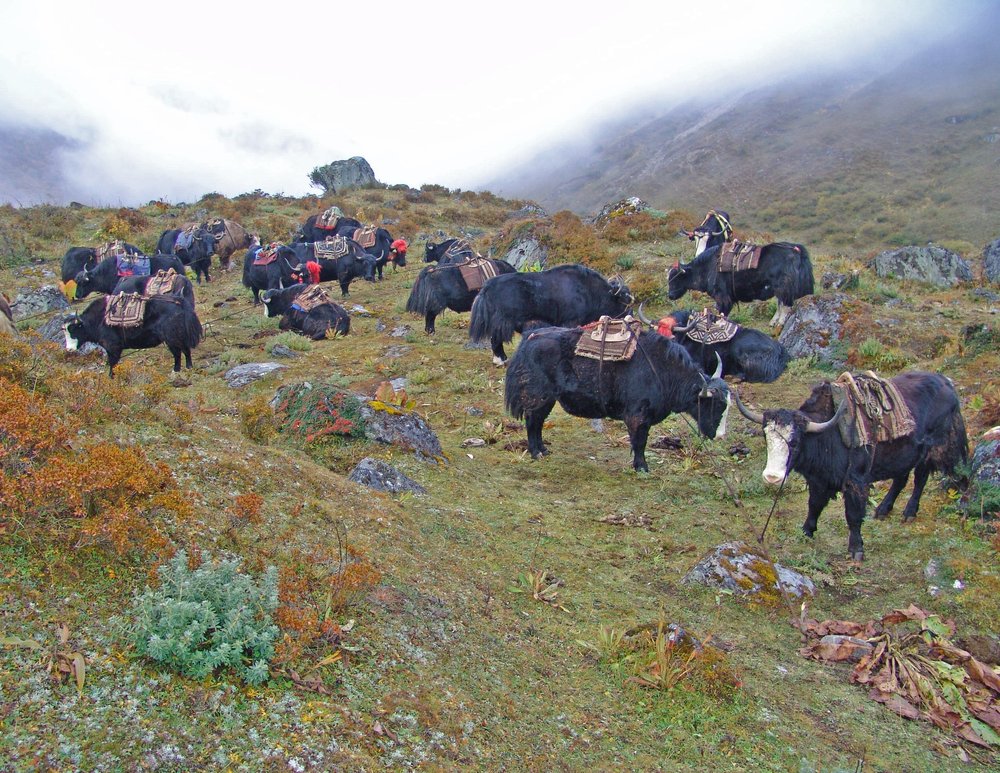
(320, 412)
(204, 619)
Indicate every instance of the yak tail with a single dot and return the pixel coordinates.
(420, 294)
(488, 321)
(802, 282)
(247, 268)
(193, 331)
(768, 367)
(954, 458)
(513, 395)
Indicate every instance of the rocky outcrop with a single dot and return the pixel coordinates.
(376, 474)
(629, 206)
(32, 302)
(404, 429)
(737, 567)
(339, 176)
(983, 495)
(932, 264)
(526, 253)
(815, 327)
(991, 261)
(241, 375)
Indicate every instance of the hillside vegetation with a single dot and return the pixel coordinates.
(480, 624)
(849, 161)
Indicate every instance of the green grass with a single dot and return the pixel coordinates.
(456, 669)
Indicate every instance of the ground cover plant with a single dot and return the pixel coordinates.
(513, 616)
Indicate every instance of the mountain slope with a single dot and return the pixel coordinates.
(908, 155)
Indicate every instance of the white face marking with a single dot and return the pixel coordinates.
(71, 343)
(699, 243)
(777, 437)
(721, 431)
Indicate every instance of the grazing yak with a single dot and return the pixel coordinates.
(313, 232)
(316, 317)
(377, 242)
(444, 287)
(193, 247)
(77, 259)
(563, 296)
(811, 441)
(167, 320)
(448, 251)
(355, 264)
(229, 236)
(746, 354)
(110, 271)
(658, 380)
(274, 267)
(784, 271)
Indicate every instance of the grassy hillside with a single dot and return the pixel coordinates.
(851, 162)
(476, 625)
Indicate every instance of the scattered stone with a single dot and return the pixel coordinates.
(597, 425)
(404, 429)
(400, 331)
(991, 261)
(357, 310)
(832, 281)
(737, 567)
(932, 264)
(814, 326)
(400, 382)
(473, 411)
(473, 442)
(526, 253)
(241, 375)
(675, 634)
(379, 326)
(280, 350)
(381, 476)
(32, 302)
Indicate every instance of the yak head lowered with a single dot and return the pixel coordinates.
(712, 409)
(784, 433)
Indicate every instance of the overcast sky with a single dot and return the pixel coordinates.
(175, 99)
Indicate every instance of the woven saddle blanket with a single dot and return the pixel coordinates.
(475, 272)
(328, 220)
(310, 298)
(738, 256)
(331, 248)
(365, 236)
(609, 340)
(125, 309)
(704, 327)
(167, 282)
(133, 265)
(876, 411)
(111, 249)
(266, 255)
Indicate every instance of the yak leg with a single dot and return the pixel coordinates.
(429, 318)
(818, 499)
(920, 475)
(855, 501)
(499, 355)
(885, 506)
(638, 432)
(344, 285)
(533, 422)
(187, 358)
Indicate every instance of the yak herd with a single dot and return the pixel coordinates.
(580, 345)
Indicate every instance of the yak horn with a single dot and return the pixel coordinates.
(680, 328)
(822, 426)
(718, 370)
(645, 320)
(756, 418)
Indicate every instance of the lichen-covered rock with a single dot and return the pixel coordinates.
(404, 429)
(983, 495)
(737, 567)
(337, 176)
(32, 302)
(628, 206)
(991, 261)
(526, 253)
(242, 375)
(932, 264)
(815, 327)
(378, 475)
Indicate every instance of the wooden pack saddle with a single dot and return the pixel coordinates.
(475, 272)
(705, 327)
(112, 249)
(129, 309)
(331, 248)
(738, 256)
(266, 255)
(458, 247)
(365, 236)
(876, 411)
(328, 220)
(310, 298)
(609, 340)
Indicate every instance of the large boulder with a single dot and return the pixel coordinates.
(527, 253)
(339, 176)
(932, 264)
(628, 206)
(745, 571)
(241, 375)
(814, 328)
(983, 494)
(404, 429)
(32, 302)
(991, 261)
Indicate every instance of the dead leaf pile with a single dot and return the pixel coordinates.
(914, 669)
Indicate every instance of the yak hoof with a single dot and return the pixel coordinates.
(498, 362)
(810, 533)
(908, 518)
(880, 514)
(857, 555)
